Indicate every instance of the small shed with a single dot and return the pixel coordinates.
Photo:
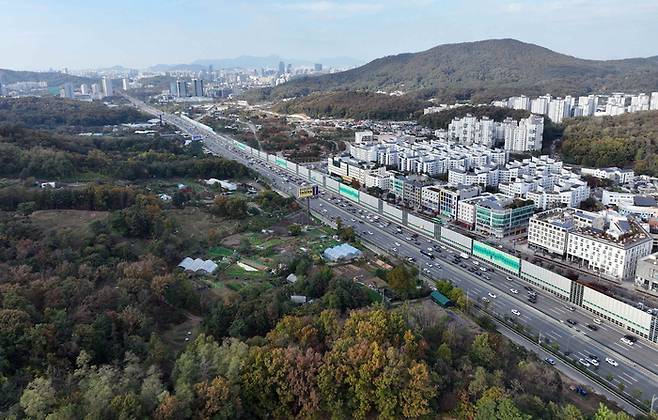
(440, 299)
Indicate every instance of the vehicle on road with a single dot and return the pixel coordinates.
(550, 361)
(592, 327)
(475, 262)
(584, 362)
(516, 312)
(492, 295)
(597, 321)
(626, 341)
(572, 321)
(593, 362)
(508, 278)
(485, 300)
(483, 268)
(570, 308)
(611, 362)
(514, 291)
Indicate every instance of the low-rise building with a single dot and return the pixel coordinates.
(614, 174)
(646, 274)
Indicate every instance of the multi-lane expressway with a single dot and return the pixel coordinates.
(637, 365)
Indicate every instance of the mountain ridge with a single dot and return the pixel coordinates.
(483, 70)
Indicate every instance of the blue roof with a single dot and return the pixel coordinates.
(341, 252)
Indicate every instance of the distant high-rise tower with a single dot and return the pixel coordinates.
(181, 88)
(282, 67)
(108, 89)
(66, 91)
(317, 67)
(197, 87)
(96, 91)
(289, 68)
(173, 89)
(211, 73)
(125, 83)
(84, 89)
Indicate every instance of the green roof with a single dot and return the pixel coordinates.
(439, 298)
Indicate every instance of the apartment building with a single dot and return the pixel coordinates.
(444, 199)
(526, 135)
(614, 174)
(484, 176)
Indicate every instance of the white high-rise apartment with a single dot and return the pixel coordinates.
(587, 105)
(540, 105)
(519, 102)
(640, 102)
(527, 135)
(84, 89)
(558, 109)
(108, 89)
(125, 83)
(653, 104)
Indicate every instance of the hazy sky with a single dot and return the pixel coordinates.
(88, 33)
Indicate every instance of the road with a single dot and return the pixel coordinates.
(637, 367)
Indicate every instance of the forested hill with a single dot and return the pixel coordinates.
(357, 105)
(52, 78)
(49, 112)
(481, 71)
(627, 140)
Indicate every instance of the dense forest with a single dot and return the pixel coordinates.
(50, 112)
(481, 71)
(44, 154)
(358, 105)
(629, 140)
(442, 119)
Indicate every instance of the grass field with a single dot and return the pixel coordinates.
(220, 252)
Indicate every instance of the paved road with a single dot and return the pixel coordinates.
(637, 365)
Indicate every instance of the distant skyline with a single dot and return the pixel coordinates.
(79, 34)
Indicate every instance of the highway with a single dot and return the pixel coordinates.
(637, 365)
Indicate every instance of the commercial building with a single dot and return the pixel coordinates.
(498, 215)
(605, 243)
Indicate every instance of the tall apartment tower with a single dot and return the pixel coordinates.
(181, 88)
(197, 87)
(282, 67)
(125, 83)
(108, 89)
(66, 91)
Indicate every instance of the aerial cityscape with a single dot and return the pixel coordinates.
(329, 209)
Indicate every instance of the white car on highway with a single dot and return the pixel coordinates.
(514, 291)
(492, 295)
(583, 362)
(611, 362)
(516, 312)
